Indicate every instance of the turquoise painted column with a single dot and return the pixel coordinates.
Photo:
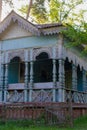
(54, 74)
(6, 78)
(61, 71)
(26, 77)
(74, 77)
(31, 75)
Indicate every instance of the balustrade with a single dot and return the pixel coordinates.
(46, 95)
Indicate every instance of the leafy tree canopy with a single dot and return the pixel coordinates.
(51, 11)
(77, 36)
(68, 12)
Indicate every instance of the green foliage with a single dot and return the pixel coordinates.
(24, 9)
(51, 11)
(77, 36)
(39, 11)
(54, 11)
(64, 11)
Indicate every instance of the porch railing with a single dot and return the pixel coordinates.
(46, 95)
(76, 96)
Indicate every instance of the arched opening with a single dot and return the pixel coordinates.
(43, 68)
(68, 74)
(79, 79)
(16, 71)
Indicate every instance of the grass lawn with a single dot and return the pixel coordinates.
(79, 124)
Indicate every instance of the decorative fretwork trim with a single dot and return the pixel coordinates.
(17, 53)
(48, 50)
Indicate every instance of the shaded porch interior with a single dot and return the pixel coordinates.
(43, 71)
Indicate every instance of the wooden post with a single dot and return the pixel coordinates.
(6, 82)
(6, 77)
(54, 74)
(31, 75)
(61, 80)
(61, 70)
(26, 77)
(26, 82)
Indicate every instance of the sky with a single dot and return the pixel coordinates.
(18, 3)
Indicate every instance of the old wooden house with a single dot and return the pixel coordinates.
(35, 66)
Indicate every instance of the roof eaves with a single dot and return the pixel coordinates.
(52, 30)
(21, 22)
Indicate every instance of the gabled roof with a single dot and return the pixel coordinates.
(14, 17)
(44, 29)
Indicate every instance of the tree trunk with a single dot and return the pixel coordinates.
(29, 8)
(0, 9)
